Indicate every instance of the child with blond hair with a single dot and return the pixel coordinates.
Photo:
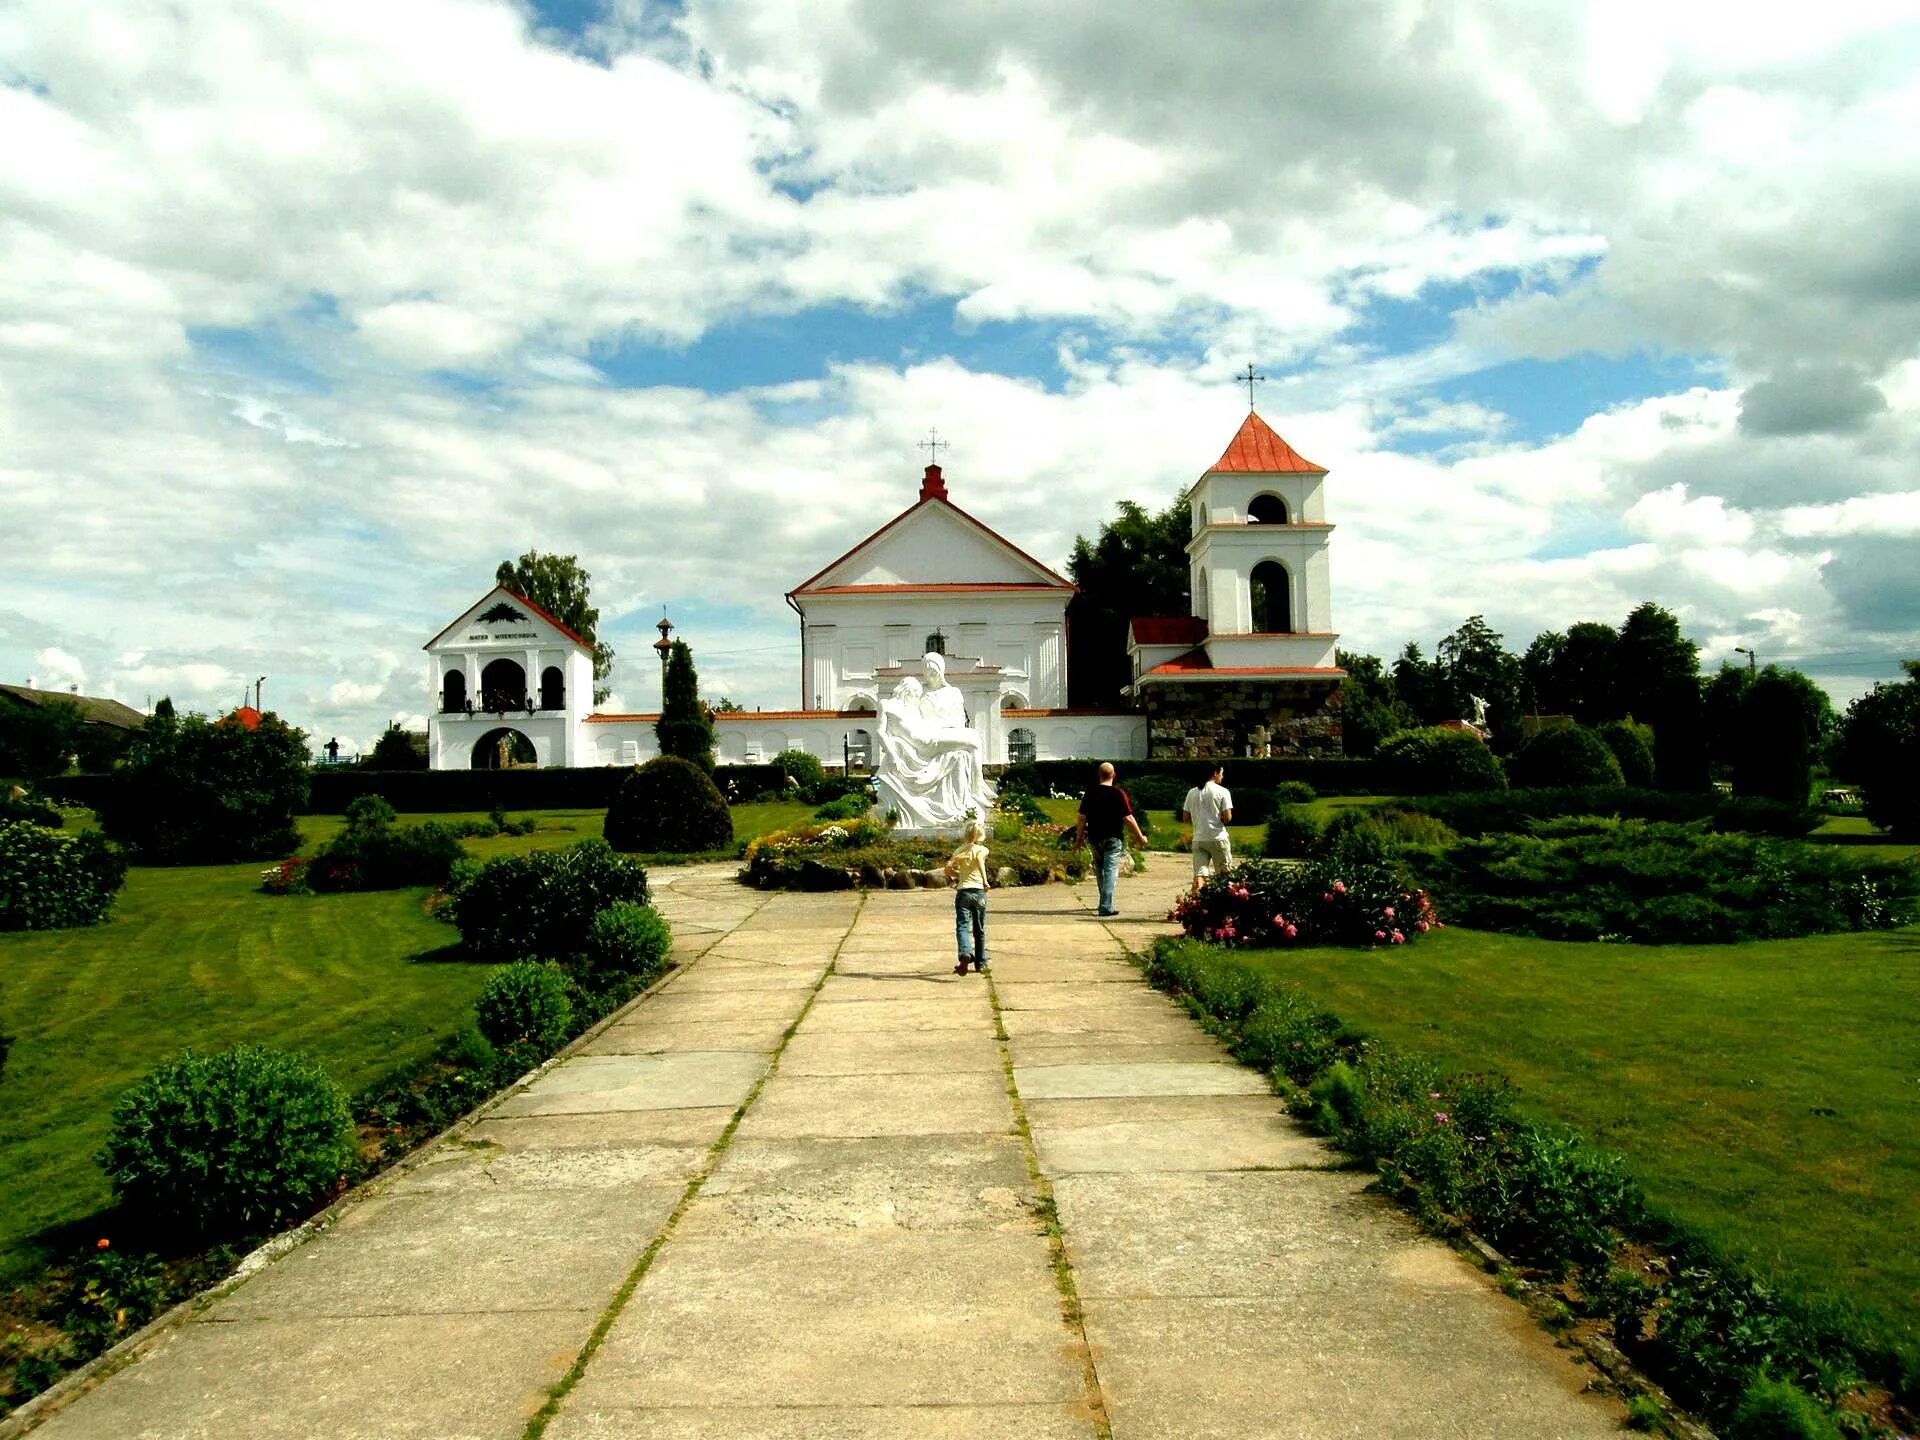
(967, 867)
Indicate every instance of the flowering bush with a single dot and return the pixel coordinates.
(289, 877)
(50, 880)
(1332, 901)
(865, 852)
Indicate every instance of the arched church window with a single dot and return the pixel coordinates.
(936, 644)
(553, 689)
(1014, 701)
(1267, 509)
(1021, 746)
(1272, 598)
(503, 686)
(453, 693)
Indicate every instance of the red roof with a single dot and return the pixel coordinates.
(246, 717)
(1167, 629)
(1258, 450)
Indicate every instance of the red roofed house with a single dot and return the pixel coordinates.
(1252, 669)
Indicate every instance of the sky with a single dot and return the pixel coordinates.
(311, 314)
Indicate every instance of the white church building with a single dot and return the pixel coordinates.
(513, 685)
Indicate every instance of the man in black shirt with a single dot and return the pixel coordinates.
(1106, 814)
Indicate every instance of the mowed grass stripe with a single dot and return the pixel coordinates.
(1767, 1093)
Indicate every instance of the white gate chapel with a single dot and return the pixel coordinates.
(511, 684)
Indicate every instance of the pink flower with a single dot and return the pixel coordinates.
(1398, 938)
(1327, 898)
(1291, 932)
(1388, 912)
(1379, 934)
(1440, 1117)
(1433, 1094)
(1423, 927)
(1339, 887)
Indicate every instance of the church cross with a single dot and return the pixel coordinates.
(933, 445)
(1250, 379)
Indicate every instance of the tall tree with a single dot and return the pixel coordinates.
(684, 728)
(38, 741)
(1474, 665)
(1784, 719)
(1370, 710)
(1137, 565)
(1658, 684)
(558, 585)
(1416, 683)
(1879, 750)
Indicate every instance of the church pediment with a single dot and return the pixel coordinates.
(934, 544)
(501, 617)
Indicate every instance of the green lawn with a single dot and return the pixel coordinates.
(1768, 1093)
(197, 956)
(1862, 839)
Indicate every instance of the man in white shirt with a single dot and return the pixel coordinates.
(1209, 809)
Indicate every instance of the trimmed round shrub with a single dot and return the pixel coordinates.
(627, 939)
(1632, 746)
(229, 1144)
(543, 903)
(1291, 832)
(670, 805)
(1436, 761)
(803, 771)
(1564, 757)
(1293, 792)
(50, 880)
(525, 1004)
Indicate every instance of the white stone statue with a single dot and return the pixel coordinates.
(1479, 711)
(926, 757)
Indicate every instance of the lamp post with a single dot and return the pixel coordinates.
(663, 647)
(1752, 657)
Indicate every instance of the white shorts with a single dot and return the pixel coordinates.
(1208, 853)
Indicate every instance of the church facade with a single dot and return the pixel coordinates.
(1251, 670)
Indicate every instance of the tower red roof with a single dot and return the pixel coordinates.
(1257, 449)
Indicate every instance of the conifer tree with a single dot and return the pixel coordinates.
(684, 727)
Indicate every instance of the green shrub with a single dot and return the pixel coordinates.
(1774, 741)
(1632, 747)
(1436, 761)
(1565, 756)
(26, 807)
(1334, 900)
(1293, 792)
(1291, 832)
(1659, 884)
(627, 938)
(52, 881)
(372, 853)
(1488, 810)
(843, 854)
(850, 806)
(201, 792)
(669, 805)
(1385, 830)
(1158, 792)
(1773, 1409)
(229, 1144)
(803, 772)
(1879, 749)
(525, 1004)
(1644, 1413)
(543, 903)
(1253, 805)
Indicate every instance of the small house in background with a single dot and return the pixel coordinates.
(105, 725)
(246, 717)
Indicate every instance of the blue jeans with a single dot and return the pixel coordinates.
(1106, 867)
(970, 924)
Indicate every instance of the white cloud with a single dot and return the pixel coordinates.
(1892, 514)
(1703, 520)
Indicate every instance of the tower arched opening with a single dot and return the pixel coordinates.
(1272, 597)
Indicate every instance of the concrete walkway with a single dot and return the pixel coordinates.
(807, 1189)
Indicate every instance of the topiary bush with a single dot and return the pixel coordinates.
(52, 881)
(1291, 832)
(525, 1004)
(1491, 810)
(542, 903)
(803, 772)
(229, 1144)
(1436, 761)
(627, 938)
(670, 805)
(1566, 755)
(1293, 792)
(1632, 747)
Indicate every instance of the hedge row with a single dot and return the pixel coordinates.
(1072, 777)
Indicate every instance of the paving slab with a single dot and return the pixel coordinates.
(1311, 1235)
(831, 1422)
(1139, 1027)
(1245, 1132)
(1199, 1049)
(709, 978)
(797, 1106)
(469, 1252)
(1080, 995)
(751, 1006)
(645, 1034)
(416, 1377)
(944, 1182)
(889, 1052)
(464, 1163)
(1252, 1370)
(687, 1080)
(605, 1130)
(962, 1009)
(1143, 1077)
(846, 987)
(887, 1319)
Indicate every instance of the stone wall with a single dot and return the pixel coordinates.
(1228, 717)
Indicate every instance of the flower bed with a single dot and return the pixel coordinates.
(1333, 900)
(851, 854)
